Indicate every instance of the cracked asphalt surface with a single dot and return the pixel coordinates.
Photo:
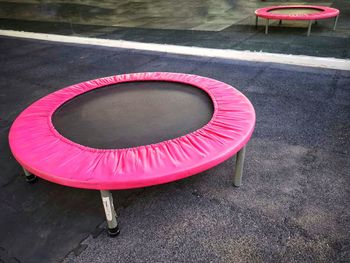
(292, 207)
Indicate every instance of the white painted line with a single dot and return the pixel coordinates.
(298, 60)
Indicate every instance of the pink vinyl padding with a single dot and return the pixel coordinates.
(40, 149)
(325, 12)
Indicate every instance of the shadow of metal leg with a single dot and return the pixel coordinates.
(256, 21)
(309, 28)
(111, 216)
(237, 179)
(30, 178)
(335, 22)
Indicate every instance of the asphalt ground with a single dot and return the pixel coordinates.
(76, 19)
(292, 206)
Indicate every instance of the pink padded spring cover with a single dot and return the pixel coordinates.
(40, 149)
(325, 12)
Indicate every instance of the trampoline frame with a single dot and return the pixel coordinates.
(228, 103)
(326, 12)
(107, 197)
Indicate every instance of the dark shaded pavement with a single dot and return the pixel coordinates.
(293, 206)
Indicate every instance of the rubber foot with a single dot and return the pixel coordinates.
(31, 179)
(113, 232)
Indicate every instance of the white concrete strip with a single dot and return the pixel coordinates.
(298, 60)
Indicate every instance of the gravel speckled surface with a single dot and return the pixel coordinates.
(292, 207)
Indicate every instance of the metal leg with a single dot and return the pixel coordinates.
(335, 22)
(309, 28)
(111, 215)
(237, 179)
(267, 27)
(280, 22)
(30, 178)
(256, 21)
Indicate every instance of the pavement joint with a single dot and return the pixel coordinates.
(5, 257)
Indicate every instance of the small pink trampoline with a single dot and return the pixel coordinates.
(132, 130)
(310, 13)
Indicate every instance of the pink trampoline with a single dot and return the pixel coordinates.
(132, 130)
(310, 13)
